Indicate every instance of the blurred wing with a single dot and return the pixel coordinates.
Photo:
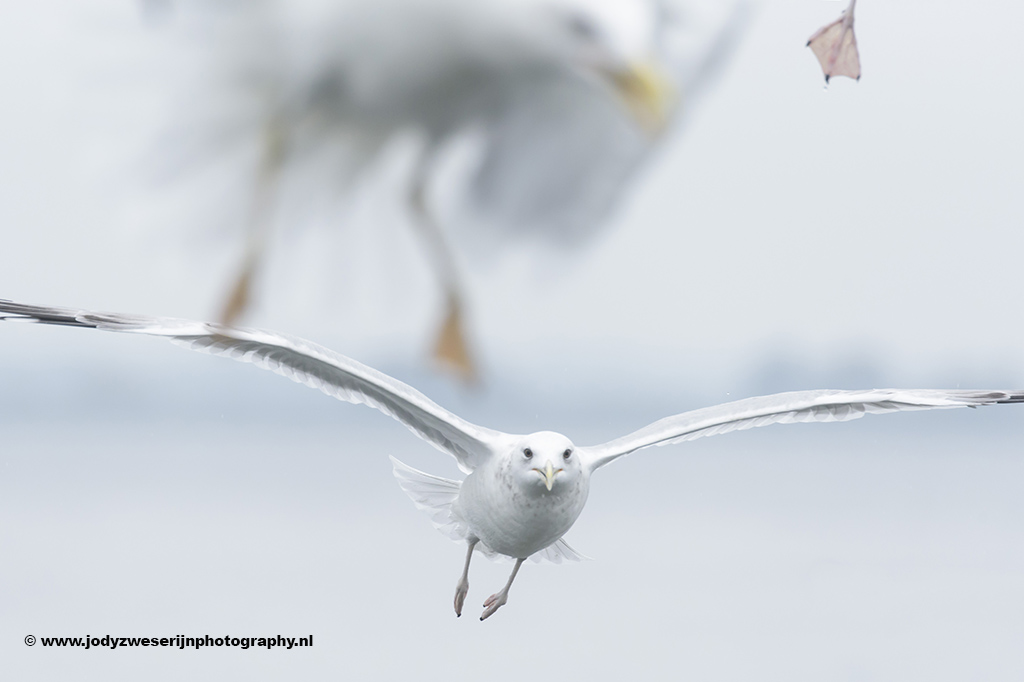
(696, 41)
(788, 408)
(561, 155)
(552, 165)
(300, 361)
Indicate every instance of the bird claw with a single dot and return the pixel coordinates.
(461, 590)
(493, 603)
(835, 46)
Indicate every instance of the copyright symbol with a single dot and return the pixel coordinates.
(30, 639)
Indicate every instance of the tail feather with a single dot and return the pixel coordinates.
(557, 552)
(434, 496)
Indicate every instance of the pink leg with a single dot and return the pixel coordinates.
(462, 588)
(495, 601)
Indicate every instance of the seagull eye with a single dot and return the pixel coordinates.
(582, 27)
(567, 454)
(528, 453)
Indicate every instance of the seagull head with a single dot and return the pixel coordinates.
(616, 41)
(546, 463)
(452, 46)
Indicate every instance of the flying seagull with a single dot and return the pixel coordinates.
(522, 493)
(560, 101)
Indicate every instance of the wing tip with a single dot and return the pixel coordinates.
(42, 314)
(992, 397)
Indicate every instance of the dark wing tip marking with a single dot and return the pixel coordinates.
(43, 315)
(981, 398)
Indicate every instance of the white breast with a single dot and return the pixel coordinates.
(512, 522)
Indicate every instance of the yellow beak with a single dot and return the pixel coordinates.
(549, 476)
(648, 94)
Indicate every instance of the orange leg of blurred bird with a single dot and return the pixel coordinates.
(240, 296)
(451, 348)
(835, 46)
(238, 299)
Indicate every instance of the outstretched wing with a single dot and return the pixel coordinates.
(788, 408)
(300, 361)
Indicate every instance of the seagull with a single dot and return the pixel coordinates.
(521, 493)
(557, 102)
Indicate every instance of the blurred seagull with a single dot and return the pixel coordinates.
(835, 46)
(561, 99)
(522, 493)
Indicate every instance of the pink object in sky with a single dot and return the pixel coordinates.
(835, 46)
